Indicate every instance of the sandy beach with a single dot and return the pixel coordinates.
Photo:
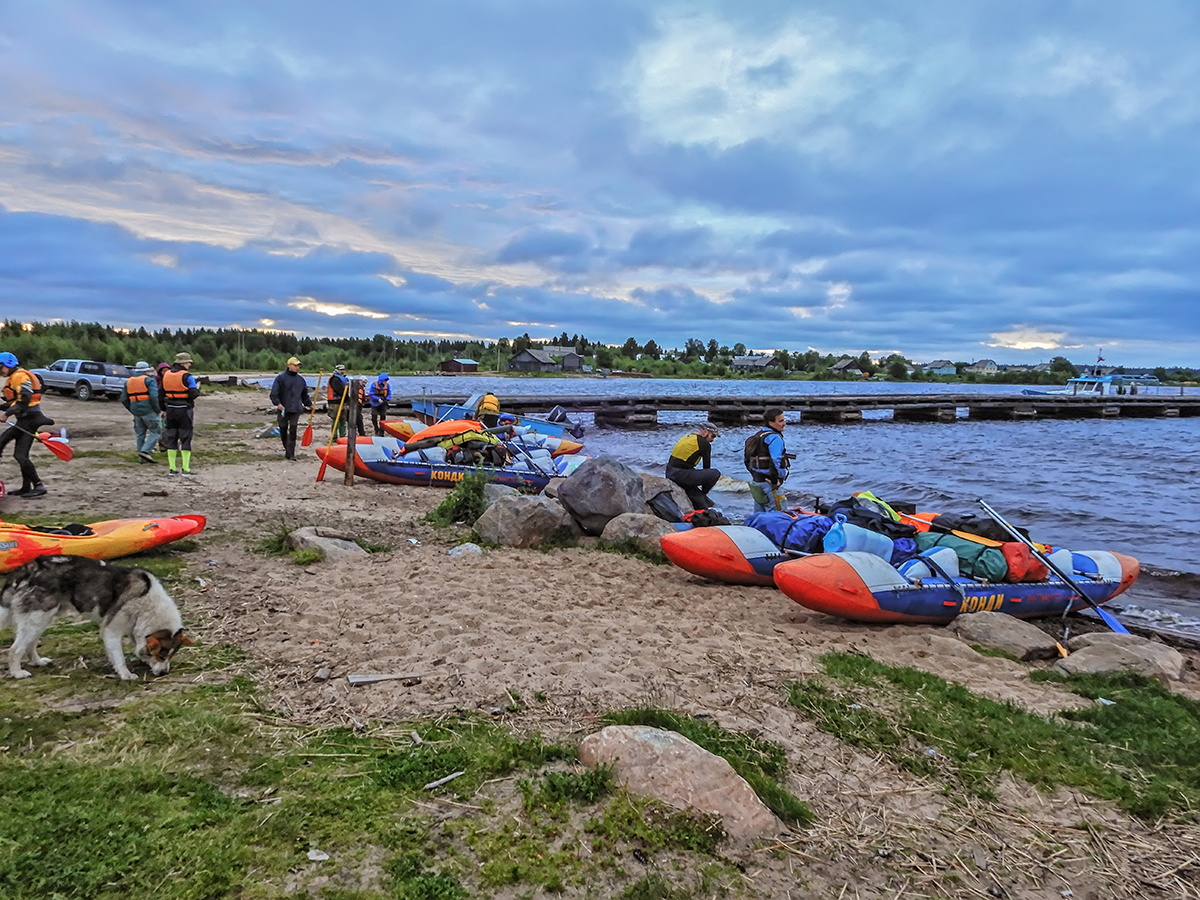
(587, 632)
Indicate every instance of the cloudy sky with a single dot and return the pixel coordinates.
(1013, 180)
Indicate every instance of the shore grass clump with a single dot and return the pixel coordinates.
(1138, 752)
(763, 764)
(631, 547)
(463, 505)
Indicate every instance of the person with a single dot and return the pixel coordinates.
(488, 410)
(690, 465)
(289, 396)
(141, 397)
(768, 461)
(180, 391)
(160, 372)
(22, 403)
(334, 393)
(378, 395)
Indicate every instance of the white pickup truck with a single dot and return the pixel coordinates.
(84, 378)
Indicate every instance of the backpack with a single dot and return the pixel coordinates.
(756, 455)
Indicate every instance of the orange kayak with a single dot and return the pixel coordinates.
(103, 540)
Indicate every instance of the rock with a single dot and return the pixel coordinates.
(493, 492)
(1101, 651)
(653, 485)
(600, 490)
(465, 551)
(552, 486)
(646, 530)
(667, 766)
(999, 631)
(524, 521)
(333, 544)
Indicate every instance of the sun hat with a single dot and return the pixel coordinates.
(710, 428)
(292, 361)
(183, 357)
(141, 366)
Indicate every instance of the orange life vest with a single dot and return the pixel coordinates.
(175, 385)
(138, 388)
(12, 389)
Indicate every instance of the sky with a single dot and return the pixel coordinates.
(1011, 180)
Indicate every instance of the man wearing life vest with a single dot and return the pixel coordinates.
(21, 408)
(140, 397)
(690, 465)
(768, 461)
(335, 392)
(180, 391)
(488, 410)
(378, 395)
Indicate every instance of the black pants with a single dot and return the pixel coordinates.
(287, 432)
(696, 482)
(489, 420)
(23, 443)
(377, 413)
(178, 433)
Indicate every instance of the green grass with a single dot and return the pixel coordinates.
(463, 504)
(1140, 752)
(630, 547)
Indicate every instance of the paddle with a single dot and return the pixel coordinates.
(333, 433)
(58, 448)
(1109, 619)
(307, 439)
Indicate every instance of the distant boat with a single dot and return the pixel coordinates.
(1108, 385)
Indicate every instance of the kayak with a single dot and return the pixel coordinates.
(526, 437)
(864, 587)
(426, 468)
(439, 412)
(100, 540)
(734, 554)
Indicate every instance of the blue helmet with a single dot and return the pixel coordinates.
(8, 360)
(383, 376)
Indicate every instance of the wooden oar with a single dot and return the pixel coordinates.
(1109, 619)
(58, 448)
(333, 432)
(307, 439)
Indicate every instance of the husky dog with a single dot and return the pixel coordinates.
(126, 602)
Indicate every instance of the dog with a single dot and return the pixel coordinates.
(127, 602)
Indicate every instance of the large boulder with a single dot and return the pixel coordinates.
(524, 521)
(999, 631)
(667, 766)
(646, 530)
(653, 485)
(334, 544)
(599, 491)
(1101, 652)
(493, 492)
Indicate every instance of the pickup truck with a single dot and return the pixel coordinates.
(84, 378)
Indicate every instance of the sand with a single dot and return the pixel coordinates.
(567, 635)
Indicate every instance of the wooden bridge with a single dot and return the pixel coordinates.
(824, 409)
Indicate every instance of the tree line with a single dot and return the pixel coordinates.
(238, 349)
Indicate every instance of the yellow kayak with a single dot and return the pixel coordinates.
(100, 540)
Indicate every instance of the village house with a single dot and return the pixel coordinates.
(533, 361)
(940, 367)
(459, 365)
(848, 365)
(984, 367)
(754, 363)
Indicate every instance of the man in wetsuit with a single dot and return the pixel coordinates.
(21, 408)
(180, 391)
(690, 465)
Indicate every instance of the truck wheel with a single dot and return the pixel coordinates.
(83, 391)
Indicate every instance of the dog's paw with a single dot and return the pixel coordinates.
(21, 673)
(41, 661)
(127, 676)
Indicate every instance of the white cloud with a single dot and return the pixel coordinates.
(1028, 337)
(335, 309)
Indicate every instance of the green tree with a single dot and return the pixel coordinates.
(652, 350)
(631, 348)
(1061, 366)
(693, 348)
(711, 351)
(897, 367)
(739, 349)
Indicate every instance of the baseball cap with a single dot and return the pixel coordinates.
(710, 428)
(292, 361)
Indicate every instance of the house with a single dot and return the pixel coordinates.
(848, 366)
(754, 363)
(459, 365)
(571, 361)
(984, 367)
(555, 350)
(941, 367)
(533, 361)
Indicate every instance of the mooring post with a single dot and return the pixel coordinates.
(352, 430)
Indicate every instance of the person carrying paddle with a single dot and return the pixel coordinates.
(140, 397)
(289, 396)
(22, 403)
(768, 461)
(690, 465)
(378, 395)
(334, 393)
(180, 391)
(488, 410)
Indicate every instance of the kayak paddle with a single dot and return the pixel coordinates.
(333, 430)
(1109, 619)
(58, 448)
(307, 439)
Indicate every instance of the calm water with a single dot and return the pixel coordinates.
(1124, 485)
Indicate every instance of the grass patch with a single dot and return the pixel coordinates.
(463, 505)
(371, 547)
(630, 547)
(1138, 752)
(994, 652)
(307, 556)
(762, 764)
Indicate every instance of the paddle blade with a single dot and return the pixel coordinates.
(58, 448)
(307, 439)
(1110, 620)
